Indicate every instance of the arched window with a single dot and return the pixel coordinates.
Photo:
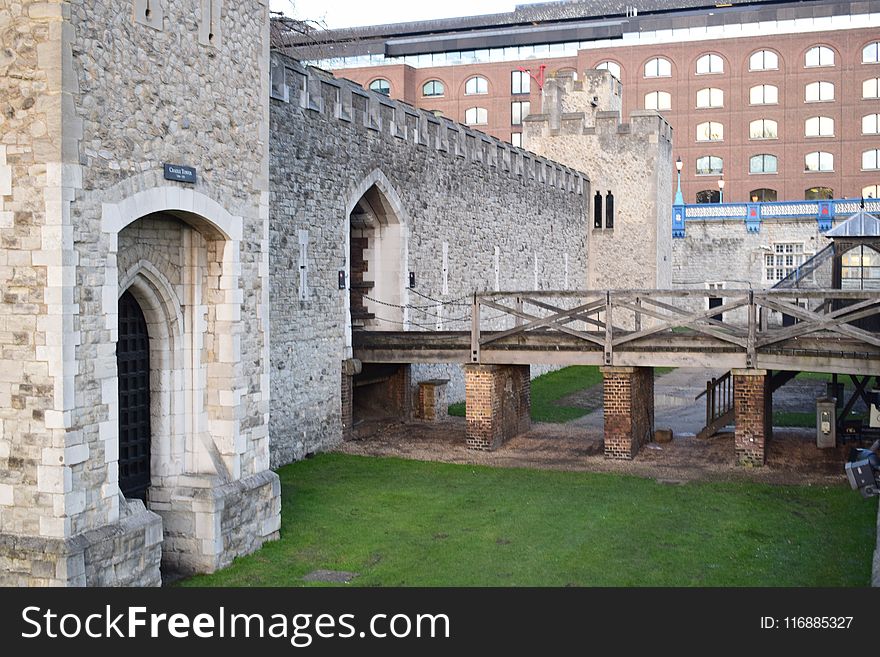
(764, 94)
(658, 100)
(476, 116)
(763, 163)
(381, 85)
(819, 56)
(763, 129)
(658, 68)
(709, 196)
(710, 131)
(871, 191)
(614, 68)
(710, 97)
(870, 159)
(871, 124)
(763, 195)
(433, 88)
(710, 165)
(819, 91)
(870, 88)
(763, 60)
(871, 53)
(818, 194)
(476, 85)
(710, 63)
(819, 126)
(819, 161)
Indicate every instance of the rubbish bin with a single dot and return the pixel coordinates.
(826, 422)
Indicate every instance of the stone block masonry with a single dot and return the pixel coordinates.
(628, 394)
(751, 416)
(498, 403)
(93, 107)
(580, 126)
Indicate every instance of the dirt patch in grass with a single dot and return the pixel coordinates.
(792, 455)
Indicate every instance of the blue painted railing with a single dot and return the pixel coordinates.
(752, 214)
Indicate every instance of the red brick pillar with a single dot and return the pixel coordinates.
(629, 409)
(751, 410)
(498, 402)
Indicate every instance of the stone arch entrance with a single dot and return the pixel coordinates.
(376, 259)
(177, 260)
(133, 367)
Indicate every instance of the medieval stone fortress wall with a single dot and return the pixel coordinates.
(193, 234)
(459, 210)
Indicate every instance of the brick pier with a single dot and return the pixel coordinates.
(498, 400)
(753, 412)
(629, 409)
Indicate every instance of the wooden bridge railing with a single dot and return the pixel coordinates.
(745, 322)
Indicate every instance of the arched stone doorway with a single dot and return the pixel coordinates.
(176, 258)
(377, 300)
(377, 258)
(133, 367)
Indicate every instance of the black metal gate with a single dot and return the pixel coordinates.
(133, 367)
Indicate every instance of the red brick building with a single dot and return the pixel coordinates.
(781, 98)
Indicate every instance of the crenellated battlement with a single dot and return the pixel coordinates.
(315, 90)
(592, 106)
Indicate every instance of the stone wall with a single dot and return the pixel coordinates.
(580, 126)
(92, 107)
(724, 251)
(448, 189)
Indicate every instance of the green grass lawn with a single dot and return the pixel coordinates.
(549, 388)
(411, 523)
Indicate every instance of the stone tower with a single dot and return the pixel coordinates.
(630, 168)
(134, 385)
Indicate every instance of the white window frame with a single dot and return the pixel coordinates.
(763, 53)
(712, 63)
(764, 88)
(784, 258)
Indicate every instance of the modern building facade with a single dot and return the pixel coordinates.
(780, 99)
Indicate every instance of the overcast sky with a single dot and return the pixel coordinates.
(348, 13)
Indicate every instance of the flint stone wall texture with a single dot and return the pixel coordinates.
(447, 183)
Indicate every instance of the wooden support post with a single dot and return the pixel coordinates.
(751, 349)
(609, 337)
(475, 330)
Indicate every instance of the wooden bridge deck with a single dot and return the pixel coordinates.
(653, 328)
(814, 354)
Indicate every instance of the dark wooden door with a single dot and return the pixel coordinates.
(133, 367)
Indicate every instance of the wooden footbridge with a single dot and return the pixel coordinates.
(797, 330)
(628, 332)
